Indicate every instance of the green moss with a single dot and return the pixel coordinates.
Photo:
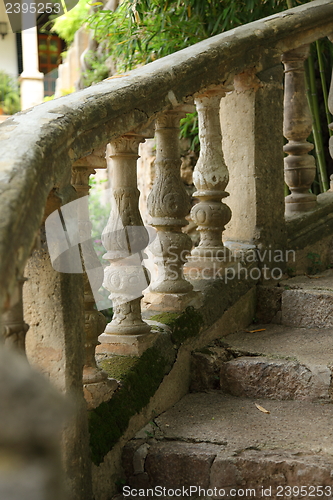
(140, 378)
(118, 366)
(184, 325)
(166, 318)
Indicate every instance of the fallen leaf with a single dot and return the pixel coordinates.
(261, 408)
(254, 331)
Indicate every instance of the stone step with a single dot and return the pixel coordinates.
(302, 301)
(218, 442)
(307, 301)
(268, 361)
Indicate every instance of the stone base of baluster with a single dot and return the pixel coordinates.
(125, 345)
(99, 392)
(298, 205)
(171, 302)
(208, 268)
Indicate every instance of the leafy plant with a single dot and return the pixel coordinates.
(189, 128)
(9, 94)
(98, 70)
(67, 25)
(140, 31)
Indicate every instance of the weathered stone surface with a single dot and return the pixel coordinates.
(99, 392)
(305, 308)
(248, 113)
(321, 281)
(128, 453)
(299, 166)
(268, 303)
(178, 464)
(263, 469)
(236, 423)
(32, 414)
(139, 458)
(205, 368)
(309, 346)
(171, 301)
(235, 446)
(125, 345)
(54, 310)
(258, 377)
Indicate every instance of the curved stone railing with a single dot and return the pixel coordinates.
(39, 146)
(48, 153)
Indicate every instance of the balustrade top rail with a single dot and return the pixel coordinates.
(38, 146)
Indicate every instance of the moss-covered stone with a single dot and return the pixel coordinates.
(140, 379)
(118, 366)
(183, 326)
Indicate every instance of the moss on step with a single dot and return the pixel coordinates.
(140, 378)
(118, 366)
(183, 325)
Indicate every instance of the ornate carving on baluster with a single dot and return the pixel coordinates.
(300, 168)
(14, 326)
(168, 205)
(124, 239)
(210, 179)
(94, 320)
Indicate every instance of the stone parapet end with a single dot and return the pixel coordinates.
(99, 392)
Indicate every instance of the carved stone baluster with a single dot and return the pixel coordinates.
(300, 168)
(14, 326)
(210, 179)
(124, 239)
(168, 205)
(94, 320)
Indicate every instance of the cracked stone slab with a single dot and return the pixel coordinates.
(271, 471)
(290, 446)
(321, 281)
(185, 463)
(307, 308)
(260, 377)
(239, 425)
(308, 346)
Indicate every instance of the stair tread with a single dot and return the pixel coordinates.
(322, 281)
(237, 424)
(309, 346)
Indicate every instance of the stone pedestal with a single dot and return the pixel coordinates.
(125, 345)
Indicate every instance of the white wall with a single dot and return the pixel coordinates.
(8, 55)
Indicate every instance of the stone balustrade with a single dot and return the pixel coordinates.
(238, 73)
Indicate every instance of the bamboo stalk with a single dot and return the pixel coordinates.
(316, 128)
(323, 85)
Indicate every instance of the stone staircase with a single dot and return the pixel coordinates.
(257, 422)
